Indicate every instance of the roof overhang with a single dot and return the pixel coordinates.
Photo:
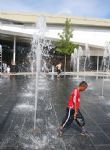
(53, 19)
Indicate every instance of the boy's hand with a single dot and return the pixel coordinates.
(75, 114)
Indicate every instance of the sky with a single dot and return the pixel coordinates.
(85, 8)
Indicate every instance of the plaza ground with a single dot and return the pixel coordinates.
(17, 100)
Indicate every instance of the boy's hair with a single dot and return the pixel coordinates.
(83, 83)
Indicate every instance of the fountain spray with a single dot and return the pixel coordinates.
(37, 50)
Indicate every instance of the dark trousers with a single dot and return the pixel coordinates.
(58, 71)
(69, 117)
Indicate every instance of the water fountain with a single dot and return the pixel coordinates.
(50, 105)
(37, 50)
(106, 57)
(52, 77)
(52, 95)
(75, 59)
(106, 65)
(87, 57)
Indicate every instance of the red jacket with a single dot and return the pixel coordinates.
(74, 99)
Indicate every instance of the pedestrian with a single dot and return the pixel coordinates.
(59, 69)
(8, 69)
(73, 110)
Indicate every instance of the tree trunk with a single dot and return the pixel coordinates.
(65, 64)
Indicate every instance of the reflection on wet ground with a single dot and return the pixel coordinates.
(17, 114)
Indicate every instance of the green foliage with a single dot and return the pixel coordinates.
(64, 45)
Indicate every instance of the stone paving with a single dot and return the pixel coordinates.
(17, 114)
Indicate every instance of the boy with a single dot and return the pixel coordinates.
(73, 111)
(58, 69)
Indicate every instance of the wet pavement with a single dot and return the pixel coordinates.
(17, 99)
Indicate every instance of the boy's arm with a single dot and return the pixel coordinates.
(74, 101)
(75, 109)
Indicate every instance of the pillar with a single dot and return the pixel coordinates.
(14, 51)
(97, 64)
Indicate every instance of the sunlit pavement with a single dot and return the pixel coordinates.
(17, 99)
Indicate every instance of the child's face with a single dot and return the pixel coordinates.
(83, 88)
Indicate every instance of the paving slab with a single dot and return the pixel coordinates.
(17, 103)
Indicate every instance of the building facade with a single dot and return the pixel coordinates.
(17, 29)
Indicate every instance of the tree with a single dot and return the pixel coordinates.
(64, 45)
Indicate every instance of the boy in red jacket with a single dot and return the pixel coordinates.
(73, 111)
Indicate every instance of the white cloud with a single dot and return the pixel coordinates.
(65, 12)
(87, 8)
(90, 8)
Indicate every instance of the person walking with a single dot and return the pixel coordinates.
(59, 69)
(73, 110)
